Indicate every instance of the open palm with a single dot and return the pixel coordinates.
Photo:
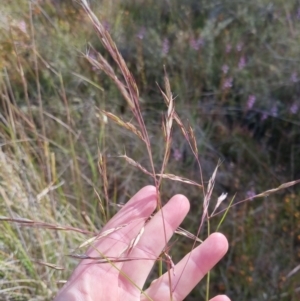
(129, 247)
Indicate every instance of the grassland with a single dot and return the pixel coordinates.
(234, 71)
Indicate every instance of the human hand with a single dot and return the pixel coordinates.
(118, 280)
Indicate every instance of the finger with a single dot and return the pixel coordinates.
(144, 200)
(157, 233)
(190, 270)
(126, 224)
(220, 298)
(133, 214)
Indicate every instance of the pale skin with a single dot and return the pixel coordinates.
(124, 281)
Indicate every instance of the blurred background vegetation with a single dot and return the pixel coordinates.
(234, 69)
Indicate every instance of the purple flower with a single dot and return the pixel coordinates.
(92, 55)
(288, 16)
(177, 155)
(294, 108)
(250, 194)
(242, 62)
(274, 111)
(196, 44)
(165, 46)
(251, 101)
(294, 77)
(228, 48)
(227, 83)
(141, 34)
(239, 46)
(298, 14)
(225, 69)
(264, 116)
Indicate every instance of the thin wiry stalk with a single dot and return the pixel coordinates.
(39, 95)
(131, 88)
(167, 126)
(38, 224)
(103, 173)
(260, 195)
(188, 135)
(127, 125)
(25, 87)
(204, 218)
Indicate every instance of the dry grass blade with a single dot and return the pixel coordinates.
(135, 164)
(169, 119)
(167, 85)
(87, 242)
(179, 230)
(102, 64)
(186, 233)
(221, 198)
(88, 81)
(31, 223)
(170, 104)
(47, 190)
(49, 265)
(170, 262)
(207, 197)
(129, 90)
(263, 194)
(85, 216)
(179, 179)
(169, 100)
(167, 97)
(211, 182)
(167, 125)
(101, 235)
(103, 173)
(193, 138)
(210, 187)
(111, 47)
(282, 186)
(127, 125)
(134, 241)
(100, 202)
(293, 271)
(100, 259)
(59, 121)
(188, 135)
